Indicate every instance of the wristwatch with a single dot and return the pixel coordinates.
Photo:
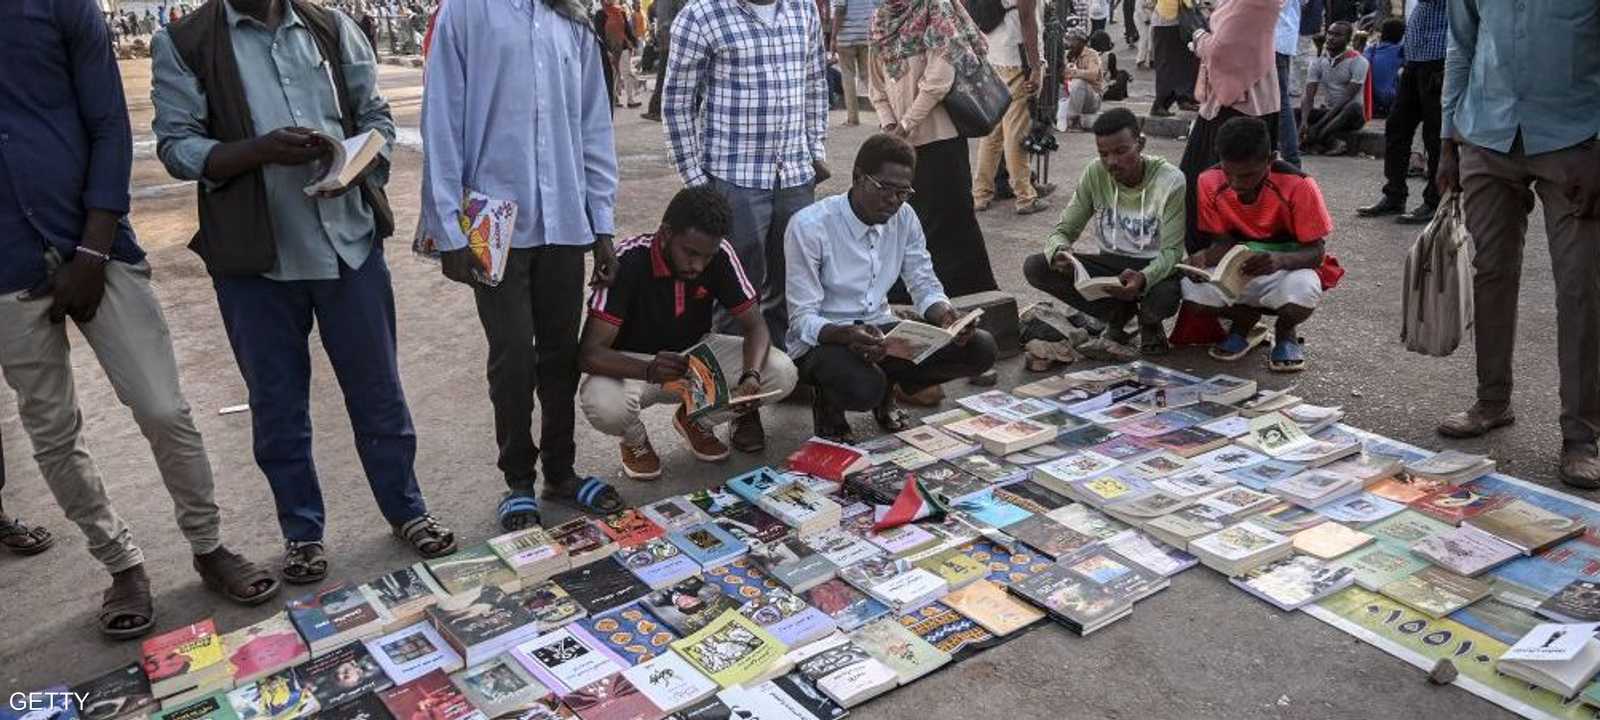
(750, 373)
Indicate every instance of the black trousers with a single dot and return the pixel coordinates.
(1130, 29)
(531, 320)
(1160, 301)
(849, 382)
(661, 79)
(1176, 66)
(1416, 103)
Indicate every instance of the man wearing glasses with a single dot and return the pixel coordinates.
(844, 253)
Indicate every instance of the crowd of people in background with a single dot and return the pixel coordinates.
(785, 289)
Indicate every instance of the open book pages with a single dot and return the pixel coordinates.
(1091, 288)
(350, 157)
(704, 386)
(918, 341)
(1228, 274)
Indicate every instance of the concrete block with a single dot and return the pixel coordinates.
(999, 318)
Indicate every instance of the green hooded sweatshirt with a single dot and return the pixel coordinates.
(1146, 221)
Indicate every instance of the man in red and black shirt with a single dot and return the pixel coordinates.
(661, 304)
(1277, 211)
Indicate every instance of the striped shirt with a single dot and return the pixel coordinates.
(857, 26)
(654, 310)
(1425, 39)
(746, 101)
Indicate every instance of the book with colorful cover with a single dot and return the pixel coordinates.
(532, 554)
(568, 658)
(954, 567)
(949, 482)
(483, 623)
(429, 697)
(1330, 540)
(549, 604)
(734, 650)
(343, 675)
(121, 693)
(214, 706)
(1048, 536)
(990, 510)
(401, 596)
(613, 697)
(709, 545)
(259, 650)
(1361, 509)
(583, 540)
(1406, 528)
(793, 563)
(689, 605)
(825, 459)
(1295, 581)
(1525, 526)
(631, 632)
(992, 607)
(674, 513)
(1455, 504)
(487, 223)
(281, 696)
(658, 563)
(1578, 602)
(365, 707)
(949, 632)
(1033, 497)
(750, 524)
(787, 617)
(180, 660)
(1436, 592)
(629, 527)
(412, 652)
(848, 607)
(468, 569)
(1405, 489)
(504, 690)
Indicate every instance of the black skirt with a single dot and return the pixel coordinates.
(1176, 67)
(943, 202)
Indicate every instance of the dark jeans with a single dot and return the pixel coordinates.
(1416, 103)
(848, 382)
(531, 320)
(1130, 29)
(1328, 125)
(269, 326)
(1288, 136)
(760, 218)
(1159, 302)
(661, 79)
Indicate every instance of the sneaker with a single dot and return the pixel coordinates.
(1037, 206)
(748, 436)
(703, 443)
(640, 462)
(1044, 189)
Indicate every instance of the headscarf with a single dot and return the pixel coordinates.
(1239, 52)
(904, 29)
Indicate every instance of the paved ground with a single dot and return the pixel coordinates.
(1202, 649)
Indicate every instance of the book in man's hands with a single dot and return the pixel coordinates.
(346, 160)
(1228, 275)
(918, 341)
(704, 386)
(1092, 288)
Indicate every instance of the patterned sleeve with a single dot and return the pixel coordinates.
(728, 280)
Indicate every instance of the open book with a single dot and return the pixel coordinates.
(918, 341)
(349, 158)
(1229, 272)
(1092, 288)
(704, 386)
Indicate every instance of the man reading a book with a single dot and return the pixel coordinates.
(1136, 202)
(1277, 212)
(661, 304)
(844, 253)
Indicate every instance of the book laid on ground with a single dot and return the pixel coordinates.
(674, 513)
(800, 507)
(1275, 435)
(532, 554)
(1436, 592)
(613, 697)
(1228, 458)
(550, 605)
(689, 605)
(1105, 489)
(365, 707)
(1238, 549)
(755, 484)
(917, 341)
(281, 696)
(429, 697)
(1048, 536)
(567, 658)
(825, 459)
(1288, 518)
(1262, 475)
(1360, 509)
(629, 527)
(658, 563)
(1558, 657)
(1451, 466)
(1525, 526)
(1465, 550)
(903, 651)
(1380, 564)
(936, 442)
(842, 548)
(346, 160)
(843, 670)
(482, 624)
(956, 568)
(400, 597)
(1016, 436)
(1314, 488)
(708, 545)
(1295, 581)
(1268, 401)
(1147, 506)
(1155, 466)
(121, 693)
(1081, 605)
(411, 652)
(793, 563)
(704, 388)
(212, 706)
(583, 540)
(1454, 505)
(186, 663)
(993, 607)
(848, 607)
(1329, 540)
(1183, 527)
(785, 615)
(1088, 521)
(899, 584)
(502, 688)
(1227, 389)
(1577, 602)
(333, 617)
(1191, 442)
(1033, 497)
(1228, 275)
(733, 650)
(343, 675)
(256, 651)
(1151, 554)
(631, 632)
(670, 682)
(1239, 503)
(468, 569)
(602, 586)
(750, 524)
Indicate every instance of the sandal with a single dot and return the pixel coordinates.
(1232, 347)
(594, 496)
(427, 536)
(304, 563)
(518, 512)
(127, 601)
(236, 578)
(1287, 357)
(23, 540)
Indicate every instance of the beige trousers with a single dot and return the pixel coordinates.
(129, 337)
(1006, 140)
(853, 66)
(612, 405)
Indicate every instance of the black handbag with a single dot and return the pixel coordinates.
(978, 99)
(1190, 21)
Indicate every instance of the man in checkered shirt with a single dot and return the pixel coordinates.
(746, 110)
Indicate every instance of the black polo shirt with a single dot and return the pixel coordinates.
(654, 310)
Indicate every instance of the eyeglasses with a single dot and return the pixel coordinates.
(899, 193)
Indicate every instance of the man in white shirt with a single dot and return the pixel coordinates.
(844, 253)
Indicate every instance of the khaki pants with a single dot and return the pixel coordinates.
(853, 66)
(613, 405)
(1498, 192)
(1007, 140)
(129, 337)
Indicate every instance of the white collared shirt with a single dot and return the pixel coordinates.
(840, 269)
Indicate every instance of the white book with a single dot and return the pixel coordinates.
(917, 341)
(1228, 276)
(1151, 554)
(1193, 483)
(670, 682)
(841, 548)
(1557, 657)
(1294, 582)
(1090, 287)
(859, 682)
(1314, 488)
(674, 514)
(1228, 457)
(346, 161)
(411, 652)
(910, 590)
(1465, 550)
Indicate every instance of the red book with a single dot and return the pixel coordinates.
(629, 528)
(1455, 504)
(264, 648)
(430, 697)
(183, 659)
(826, 460)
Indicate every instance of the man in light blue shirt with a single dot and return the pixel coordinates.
(1521, 117)
(515, 107)
(844, 253)
(1286, 44)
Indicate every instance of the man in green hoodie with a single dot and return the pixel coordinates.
(1136, 203)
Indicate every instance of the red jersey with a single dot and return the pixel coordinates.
(1288, 211)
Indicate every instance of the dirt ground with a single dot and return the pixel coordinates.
(1199, 650)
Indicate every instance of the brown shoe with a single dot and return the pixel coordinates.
(1044, 190)
(748, 436)
(703, 443)
(1580, 466)
(1476, 421)
(640, 462)
(926, 397)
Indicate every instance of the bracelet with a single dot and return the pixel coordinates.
(96, 254)
(749, 373)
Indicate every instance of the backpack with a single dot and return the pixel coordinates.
(988, 14)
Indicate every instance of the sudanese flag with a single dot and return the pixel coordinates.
(914, 503)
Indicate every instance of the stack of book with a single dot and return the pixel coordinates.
(1295, 581)
(1315, 488)
(468, 569)
(1016, 436)
(186, 664)
(801, 508)
(1557, 657)
(670, 683)
(899, 584)
(1525, 526)
(401, 597)
(502, 688)
(411, 652)
(1451, 467)
(658, 563)
(794, 563)
(1465, 550)
(1238, 549)
(709, 546)
(265, 648)
(482, 624)
(432, 696)
(532, 554)
(335, 617)
(843, 670)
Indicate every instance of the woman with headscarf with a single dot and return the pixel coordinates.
(1238, 77)
(916, 47)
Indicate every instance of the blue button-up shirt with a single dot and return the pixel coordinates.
(1425, 31)
(287, 83)
(840, 269)
(1518, 66)
(1286, 36)
(515, 107)
(65, 143)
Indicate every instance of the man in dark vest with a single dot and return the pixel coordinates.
(245, 91)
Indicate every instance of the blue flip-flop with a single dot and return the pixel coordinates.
(1287, 357)
(593, 496)
(1231, 348)
(518, 512)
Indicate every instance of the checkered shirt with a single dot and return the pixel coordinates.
(1425, 31)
